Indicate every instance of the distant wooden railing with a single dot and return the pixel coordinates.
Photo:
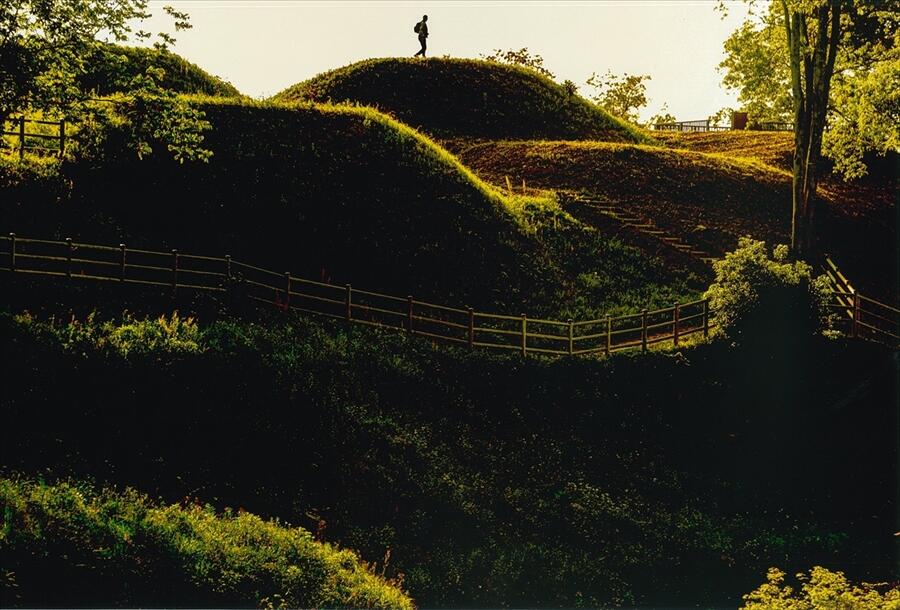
(26, 138)
(175, 271)
(704, 125)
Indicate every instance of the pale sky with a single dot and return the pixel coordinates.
(263, 46)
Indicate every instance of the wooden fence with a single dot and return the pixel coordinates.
(861, 316)
(176, 271)
(32, 140)
(704, 125)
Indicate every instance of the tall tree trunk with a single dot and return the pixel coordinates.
(810, 84)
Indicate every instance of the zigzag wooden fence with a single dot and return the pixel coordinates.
(861, 316)
(175, 271)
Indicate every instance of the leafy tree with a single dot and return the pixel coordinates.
(832, 66)
(43, 44)
(621, 96)
(522, 57)
(721, 117)
(821, 589)
(663, 116)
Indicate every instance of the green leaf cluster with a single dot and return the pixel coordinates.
(129, 547)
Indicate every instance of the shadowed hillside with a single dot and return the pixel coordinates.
(344, 194)
(466, 98)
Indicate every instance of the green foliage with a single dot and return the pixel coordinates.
(165, 555)
(663, 116)
(821, 589)
(621, 96)
(522, 57)
(450, 98)
(869, 115)
(863, 100)
(47, 48)
(765, 300)
(126, 337)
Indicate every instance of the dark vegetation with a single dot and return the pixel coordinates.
(344, 194)
(111, 68)
(70, 542)
(483, 479)
(452, 98)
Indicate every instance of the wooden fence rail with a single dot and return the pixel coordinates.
(27, 138)
(175, 271)
(860, 315)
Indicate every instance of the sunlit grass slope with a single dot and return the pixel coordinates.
(347, 194)
(466, 98)
(72, 544)
(713, 199)
(774, 148)
(110, 68)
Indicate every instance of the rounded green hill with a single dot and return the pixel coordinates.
(450, 98)
(110, 68)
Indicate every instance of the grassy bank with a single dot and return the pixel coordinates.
(483, 479)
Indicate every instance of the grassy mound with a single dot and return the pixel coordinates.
(486, 480)
(466, 98)
(344, 194)
(109, 68)
(114, 548)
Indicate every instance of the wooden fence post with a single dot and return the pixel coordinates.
(471, 327)
(122, 250)
(12, 251)
(705, 318)
(675, 317)
(644, 330)
(287, 290)
(62, 137)
(228, 285)
(608, 335)
(174, 273)
(409, 314)
(571, 337)
(855, 314)
(348, 303)
(524, 334)
(21, 137)
(69, 247)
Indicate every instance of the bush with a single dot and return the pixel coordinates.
(134, 552)
(764, 300)
(820, 590)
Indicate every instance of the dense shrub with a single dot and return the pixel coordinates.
(766, 300)
(821, 589)
(136, 552)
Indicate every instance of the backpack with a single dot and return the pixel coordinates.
(417, 27)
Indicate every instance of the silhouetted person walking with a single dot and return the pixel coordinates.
(422, 30)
